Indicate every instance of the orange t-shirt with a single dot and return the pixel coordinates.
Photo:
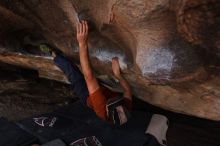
(97, 101)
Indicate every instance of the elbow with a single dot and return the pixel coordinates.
(89, 76)
(127, 93)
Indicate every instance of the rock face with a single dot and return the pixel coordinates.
(23, 94)
(168, 50)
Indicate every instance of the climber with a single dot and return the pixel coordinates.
(107, 105)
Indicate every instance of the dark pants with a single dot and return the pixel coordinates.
(76, 78)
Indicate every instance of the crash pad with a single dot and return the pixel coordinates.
(12, 135)
(77, 121)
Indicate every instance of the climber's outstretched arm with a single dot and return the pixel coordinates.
(123, 82)
(82, 37)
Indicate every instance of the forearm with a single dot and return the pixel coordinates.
(126, 87)
(91, 81)
(84, 61)
(117, 73)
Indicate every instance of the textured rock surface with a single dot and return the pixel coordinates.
(23, 94)
(169, 50)
(198, 23)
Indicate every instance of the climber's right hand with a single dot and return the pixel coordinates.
(82, 33)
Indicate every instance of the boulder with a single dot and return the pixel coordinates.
(168, 50)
